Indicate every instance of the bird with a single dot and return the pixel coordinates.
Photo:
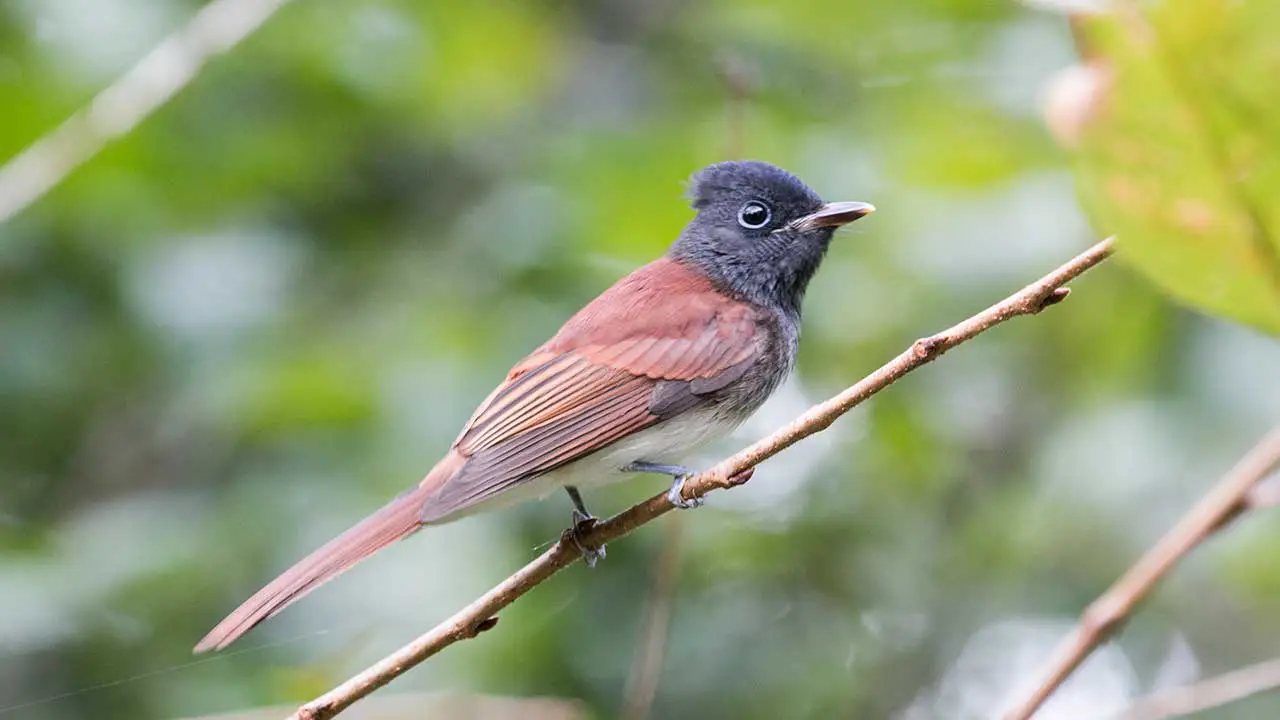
(671, 357)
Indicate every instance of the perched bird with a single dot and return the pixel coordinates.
(675, 354)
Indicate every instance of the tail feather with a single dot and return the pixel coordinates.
(397, 519)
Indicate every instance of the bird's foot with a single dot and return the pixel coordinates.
(676, 495)
(582, 522)
(679, 472)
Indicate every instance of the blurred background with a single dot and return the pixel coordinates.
(270, 307)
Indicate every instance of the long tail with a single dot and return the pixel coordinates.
(397, 519)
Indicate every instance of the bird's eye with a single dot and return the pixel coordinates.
(754, 215)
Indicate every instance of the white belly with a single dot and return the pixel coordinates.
(671, 442)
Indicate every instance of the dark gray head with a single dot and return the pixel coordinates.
(760, 232)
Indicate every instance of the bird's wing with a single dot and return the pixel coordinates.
(638, 354)
(641, 352)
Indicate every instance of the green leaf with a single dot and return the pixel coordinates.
(1179, 157)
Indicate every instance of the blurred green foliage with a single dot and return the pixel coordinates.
(270, 307)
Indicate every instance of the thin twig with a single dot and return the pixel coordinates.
(1213, 692)
(646, 671)
(114, 112)
(1226, 500)
(479, 615)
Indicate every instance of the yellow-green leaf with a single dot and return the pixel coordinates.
(1180, 158)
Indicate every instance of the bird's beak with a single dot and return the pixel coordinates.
(833, 215)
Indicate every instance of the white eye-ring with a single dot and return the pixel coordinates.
(754, 215)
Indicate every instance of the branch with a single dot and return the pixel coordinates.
(1232, 495)
(117, 110)
(1214, 692)
(479, 615)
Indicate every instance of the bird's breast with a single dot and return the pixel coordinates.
(778, 339)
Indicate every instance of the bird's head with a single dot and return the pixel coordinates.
(759, 232)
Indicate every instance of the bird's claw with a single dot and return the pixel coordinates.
(676, 495)
(583, 522)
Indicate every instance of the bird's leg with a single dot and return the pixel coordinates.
(583, 520)
(580, 512)
(679, 472)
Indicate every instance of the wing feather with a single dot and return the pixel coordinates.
(593, 426)
(544, 396)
